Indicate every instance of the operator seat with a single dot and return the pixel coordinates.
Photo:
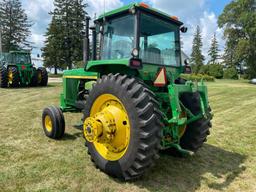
(153, 55)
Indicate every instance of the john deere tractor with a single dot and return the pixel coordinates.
(132, 99)
(17, 70)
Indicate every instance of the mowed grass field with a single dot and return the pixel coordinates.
(31, 162)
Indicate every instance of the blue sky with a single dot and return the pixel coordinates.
(192, 12)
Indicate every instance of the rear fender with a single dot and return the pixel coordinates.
(175, 91)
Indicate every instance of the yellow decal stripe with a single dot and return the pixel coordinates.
(80, 77)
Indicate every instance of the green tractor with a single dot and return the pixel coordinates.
(16, 70)
(132, 99)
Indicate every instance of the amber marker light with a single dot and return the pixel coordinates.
(144, 5)
(175, 18)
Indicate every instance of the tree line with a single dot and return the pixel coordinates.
(63, 47)
(64, 37)
(238, 20)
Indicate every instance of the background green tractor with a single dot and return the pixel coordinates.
(17, 70)
(130, 94)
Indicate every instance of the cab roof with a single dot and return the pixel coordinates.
(142, 6)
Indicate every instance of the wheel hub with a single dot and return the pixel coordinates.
(48, 123)
(108, 127)
(10, 77)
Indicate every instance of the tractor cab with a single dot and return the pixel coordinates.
(15, 58)
(20, 57)
(139, 37)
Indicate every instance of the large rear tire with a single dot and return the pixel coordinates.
(34, 79)
(42, 76)
(3, 77)
(13, 77)
(196, 132)
(144, 121)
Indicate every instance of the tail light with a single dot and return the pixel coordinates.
(187, 69)
(135, 63)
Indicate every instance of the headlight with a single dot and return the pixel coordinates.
(135, 52)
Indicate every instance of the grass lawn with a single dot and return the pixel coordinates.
(31, 162)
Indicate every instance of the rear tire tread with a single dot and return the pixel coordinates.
(3, 77)
(149, 118)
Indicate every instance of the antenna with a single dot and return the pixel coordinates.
(1, 39)
(104, 7)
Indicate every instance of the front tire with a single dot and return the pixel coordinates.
(34, 78)
(53, 122)
(42, 76)
(144, 121)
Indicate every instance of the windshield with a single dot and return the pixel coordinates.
(159, 42)
(3, 58)
(21, 59)
(118, 38)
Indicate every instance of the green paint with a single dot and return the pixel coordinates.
(116, 11)
(79, 72)
(96, 63)
(71, 82)
(130, 6)
(168, 97)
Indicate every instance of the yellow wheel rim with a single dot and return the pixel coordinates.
(48, 123)
(114, 132)
(10, 76)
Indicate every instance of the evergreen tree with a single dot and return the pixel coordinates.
(15, 25)
(53, 58)
(228, 56)
(197, 58)
(213, 51)
(66, 34)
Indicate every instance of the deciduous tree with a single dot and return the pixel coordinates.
(239, 22)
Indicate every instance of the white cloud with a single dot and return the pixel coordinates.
(209, 26)
(38, 9)
(38, 39)
(38, 13)
(99, 6)
(193, 13)
(181, 8)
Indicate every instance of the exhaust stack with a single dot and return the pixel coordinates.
(86, 43)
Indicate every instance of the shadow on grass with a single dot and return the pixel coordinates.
(74, 136)
(30, 87)
(213, 167)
